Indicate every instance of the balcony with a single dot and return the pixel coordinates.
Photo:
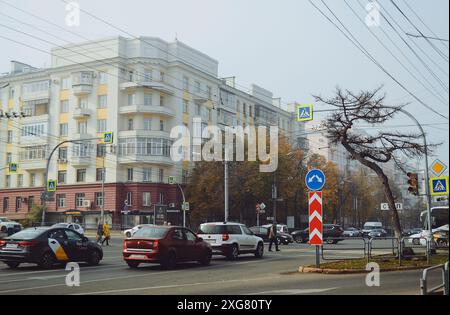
(80, 113)
(29, 165)
(154, 85)
(82, 83)
(145, 109)
(80, 161)
(145, 159)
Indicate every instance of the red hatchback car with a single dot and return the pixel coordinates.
(165, 245)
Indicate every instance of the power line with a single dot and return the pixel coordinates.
(438, 51)
(367, 54)
(427, 37)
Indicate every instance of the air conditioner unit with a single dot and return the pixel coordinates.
(62, 161)
(171, 205)
(86, 203)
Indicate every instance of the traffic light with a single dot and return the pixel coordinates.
(413, 183)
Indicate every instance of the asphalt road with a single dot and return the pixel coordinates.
(273, 275)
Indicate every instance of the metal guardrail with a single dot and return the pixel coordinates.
(334, 247)
(424, 290)
(394, 248)
(414, 245)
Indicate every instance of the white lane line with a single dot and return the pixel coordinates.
(293, 291)
(25, 273)
(178, 286)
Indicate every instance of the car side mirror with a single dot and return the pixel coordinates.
(85, 239)
(198, 240)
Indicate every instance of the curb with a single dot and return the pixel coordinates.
(305, 269)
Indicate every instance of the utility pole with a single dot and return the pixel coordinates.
(274, 197)
(226, 190)
(102, 213)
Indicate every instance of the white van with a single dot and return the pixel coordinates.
(369, 226)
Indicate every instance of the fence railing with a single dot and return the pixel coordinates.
(344, 247)
(424, 287)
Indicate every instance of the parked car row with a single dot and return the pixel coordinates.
(332, 234)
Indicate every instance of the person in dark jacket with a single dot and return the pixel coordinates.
(99, 232)
(273, 237)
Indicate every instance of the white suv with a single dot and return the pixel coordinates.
(8, 227)
(231, 239)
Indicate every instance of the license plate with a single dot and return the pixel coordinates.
(211, 241)
(12, 246)
(138, 257)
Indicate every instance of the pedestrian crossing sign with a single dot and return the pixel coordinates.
(13, 167)
(107, 138)
(51, 185)
(304, 113)
(439, 186)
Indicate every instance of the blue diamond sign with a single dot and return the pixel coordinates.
(304, 113)
(315, 180)
(439, 186)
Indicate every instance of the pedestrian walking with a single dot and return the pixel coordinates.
(99, 232)
(273, 237)
(106, 233)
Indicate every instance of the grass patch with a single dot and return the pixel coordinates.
(384, 262)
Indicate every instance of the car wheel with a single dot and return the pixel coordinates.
(328, 241)
(298, 239)
(94, 258)
(416, 241)
(128, 234)
(13, 264)
(170, 261)
(259, 250)
(234, 252)
(47, 261)
(206, 260)
(133, 264)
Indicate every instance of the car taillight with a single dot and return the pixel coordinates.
(124, 245)
(155, 244)
(27, 243)
(225, 237)
(2, 243)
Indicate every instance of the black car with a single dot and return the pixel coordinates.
(332, 234)
(48, 246)
(263, 232)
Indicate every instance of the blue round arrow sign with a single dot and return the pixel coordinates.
(315, 180)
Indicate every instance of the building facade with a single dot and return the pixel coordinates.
(139, 89)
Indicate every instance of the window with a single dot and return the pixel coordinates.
(5, 204)
(130, 172)
(10, 136)
(101, 125)
(147, 124)
(8, 158)
(34, 87)
(190, 236)
(147, 175)
(63, 130)
(161, 175)
(82, 127)
(197, 86)
(146, 199)
(161, 100)
(18, 203)
(99, 199)
(99, 176)
(130, 124)
(197, 109)
(101, 150)
(81, 175)
(209, 92)
(62, 153)
(185, 106)
(148, 99)
(72, 236)
(30, 203)
(61, 201)
(32, 179)
(64, 106)
(186, 83)
(102, 101)
(11, 93)
(20, 180)
(62, 177)
(131, 99)
(161, 125)
(36, 130)
(79, 198)
(129, 198)
(8, 181)
(161, 198)
(130, 76)
(102, 78)
(65, 84)
(184, 176)
(81, 150)
(148, 76)
(83, 103)
(161, 76)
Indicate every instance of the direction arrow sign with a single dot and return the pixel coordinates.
(51, 185)
(315, 180)
(439, 186)
(315, 218)
(304, 113)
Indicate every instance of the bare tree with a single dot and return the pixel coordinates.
(367, 107)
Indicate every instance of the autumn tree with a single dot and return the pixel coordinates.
(372, 151)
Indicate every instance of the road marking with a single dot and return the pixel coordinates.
(177, 286)
(293, 291)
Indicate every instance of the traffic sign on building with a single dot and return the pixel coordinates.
(304, 113)
(315, 218)
(439, 186)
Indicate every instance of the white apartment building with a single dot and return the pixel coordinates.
(139, 89)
